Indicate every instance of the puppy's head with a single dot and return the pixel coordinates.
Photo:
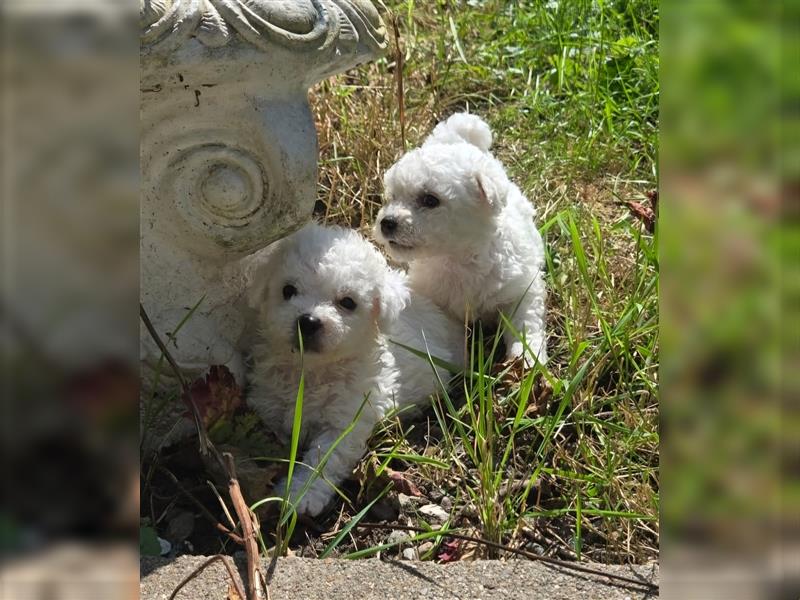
(443, 197)
(328, 287)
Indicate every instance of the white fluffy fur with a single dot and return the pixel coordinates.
(353, 358)
(479, 251)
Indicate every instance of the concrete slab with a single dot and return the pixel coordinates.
(374, 579)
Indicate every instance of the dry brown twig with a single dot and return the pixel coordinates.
(255, 588)
(201, 507)
(205, 443)
(225, 561)
(398, 67)
(246, 519)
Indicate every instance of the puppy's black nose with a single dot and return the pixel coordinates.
(308, 325)
(388, 225)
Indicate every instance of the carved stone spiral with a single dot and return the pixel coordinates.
(218, 190)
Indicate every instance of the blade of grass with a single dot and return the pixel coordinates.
(352, 523)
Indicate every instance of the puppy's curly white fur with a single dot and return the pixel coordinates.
(331, 289)
(467, 232)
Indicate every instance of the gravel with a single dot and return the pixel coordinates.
(334, 579)
(435, 512)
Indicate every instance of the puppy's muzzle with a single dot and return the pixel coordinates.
(310, 328)
(388, 226)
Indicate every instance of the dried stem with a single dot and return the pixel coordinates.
(225, 561)
(245, 519)
(205, 443)
(201, 507)
(399, 65)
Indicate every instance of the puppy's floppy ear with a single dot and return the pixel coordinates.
(492, 187)
(463, 127)
(393, 296)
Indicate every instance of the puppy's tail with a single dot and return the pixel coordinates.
(462, 127)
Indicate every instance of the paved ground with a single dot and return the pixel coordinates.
(373, 579)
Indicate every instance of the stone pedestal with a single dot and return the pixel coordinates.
(229, 151)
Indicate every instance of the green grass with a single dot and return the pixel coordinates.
(571, 91)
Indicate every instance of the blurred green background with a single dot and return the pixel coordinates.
(729, 249)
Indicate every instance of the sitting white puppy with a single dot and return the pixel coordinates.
(467, 232)
(331, 288)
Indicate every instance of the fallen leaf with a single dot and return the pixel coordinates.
(217, 395)
(644, 213)
(451, 551)
(402, 483)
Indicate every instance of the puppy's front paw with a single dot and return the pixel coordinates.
(279, 490)
(516, 350)
(313, 500)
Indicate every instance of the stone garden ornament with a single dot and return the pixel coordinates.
(229, 151)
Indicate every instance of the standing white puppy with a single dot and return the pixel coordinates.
(467, 232)
(331, 288)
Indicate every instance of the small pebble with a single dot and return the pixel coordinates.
(424, 548)
(436, 495)
(165, 546)
(406, 501)
(434, 511)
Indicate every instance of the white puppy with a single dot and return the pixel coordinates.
(331, 288)
(467, 232)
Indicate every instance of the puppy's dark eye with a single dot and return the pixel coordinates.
(429, 201)
(288, 291)
(348, 303)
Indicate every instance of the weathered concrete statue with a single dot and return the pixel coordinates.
(229, 150)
